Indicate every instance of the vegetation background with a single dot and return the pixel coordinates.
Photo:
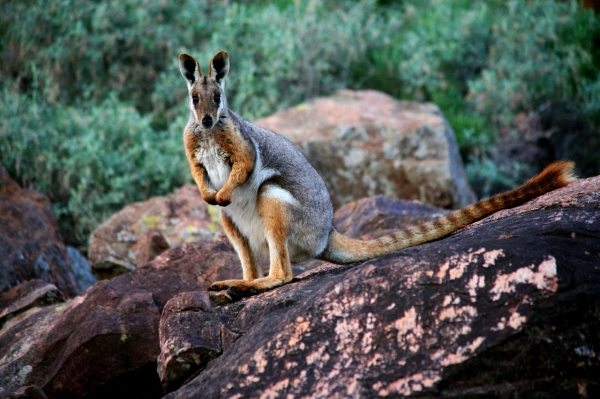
(92, 105)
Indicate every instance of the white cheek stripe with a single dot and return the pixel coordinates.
(220, 107)
(193, 109)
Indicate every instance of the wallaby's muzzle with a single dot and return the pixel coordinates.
(207, 121)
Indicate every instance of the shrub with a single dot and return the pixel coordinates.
(90, 49)
(89, 168)
(538, 54)
(305, 50)
(93, 103)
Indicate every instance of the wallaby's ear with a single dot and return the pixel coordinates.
(219, 67)
(190, 68)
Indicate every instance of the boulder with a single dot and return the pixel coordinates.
(374, 217)
(366, 143)
(141, 231)
(74, 349)
(30, 243)
(507, 307)
(105, 342)
(25, 296)
(183, 330)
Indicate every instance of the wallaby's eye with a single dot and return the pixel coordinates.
(217, 98)
(195, 100)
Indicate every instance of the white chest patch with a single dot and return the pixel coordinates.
(217, 168)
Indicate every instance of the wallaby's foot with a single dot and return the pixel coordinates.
(242, 288)
(209, 196)
(225, 284)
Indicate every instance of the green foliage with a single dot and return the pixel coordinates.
(304, 50)
(93, 103)
(537, 54)
(90, 161)
(484, 62)
(488, 178)
(86, 50)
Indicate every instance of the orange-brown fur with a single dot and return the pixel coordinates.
(197, 169)
(241, 159)
(239, 156)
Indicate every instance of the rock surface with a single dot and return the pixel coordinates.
(366, 143)
(141, 231)
(27, 295)
(105, 342)
(182, 332)
(30, 244)
(507, 307)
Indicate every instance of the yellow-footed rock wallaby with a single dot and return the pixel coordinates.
(274, 203)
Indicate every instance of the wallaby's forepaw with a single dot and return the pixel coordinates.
(223, 198)
(209, 196)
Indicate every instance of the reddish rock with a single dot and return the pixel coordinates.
(191, 267)
(122, 242)
(507, 307)
(73, 349)
(366, 143)
(188, 339)
(25, 296)
(377, 216)
(105, 342)
(149, 247)
(30, 243)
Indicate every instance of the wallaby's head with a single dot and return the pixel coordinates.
(206, 92)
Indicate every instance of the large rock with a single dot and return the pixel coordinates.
(30, 244)
(366, 143)
(374, 217)
(105, 342)
(182, 333)
(507, 307)
(27, 295)
(141, 231)
(75, 349)
(377, 216)
(189, 339)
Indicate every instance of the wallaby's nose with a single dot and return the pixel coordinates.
(207, 121)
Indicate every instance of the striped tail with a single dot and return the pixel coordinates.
(342, 249)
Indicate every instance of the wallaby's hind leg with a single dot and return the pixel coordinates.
(250, 267)
(274, 219)
(275, 223)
